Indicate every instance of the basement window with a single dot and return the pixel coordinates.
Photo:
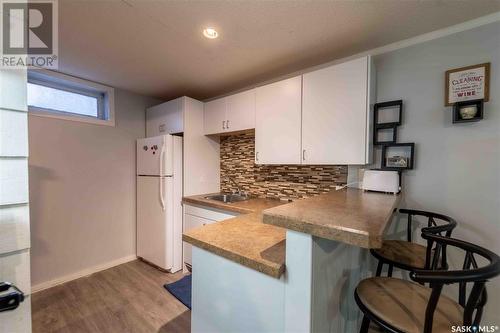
(56, 95)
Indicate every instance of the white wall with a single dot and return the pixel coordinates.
(82, 191)
(457, 165)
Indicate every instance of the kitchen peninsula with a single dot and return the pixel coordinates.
(246, 279)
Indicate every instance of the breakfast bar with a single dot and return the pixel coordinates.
(289, 268)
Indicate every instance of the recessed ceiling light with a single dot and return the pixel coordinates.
(210, 33)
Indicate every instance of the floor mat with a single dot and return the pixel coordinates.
(181, 290)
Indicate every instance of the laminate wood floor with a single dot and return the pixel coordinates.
(125, 298)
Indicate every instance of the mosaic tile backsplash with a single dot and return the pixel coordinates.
(273, 181)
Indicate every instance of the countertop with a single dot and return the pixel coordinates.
(350, 216)
(256, 238)
(243, 239)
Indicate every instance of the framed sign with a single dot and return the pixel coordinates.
(467, 83)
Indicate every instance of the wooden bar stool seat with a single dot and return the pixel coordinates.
(408, 255)
(402, 305)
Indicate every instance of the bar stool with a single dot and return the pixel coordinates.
(404, 306)
(408, 255)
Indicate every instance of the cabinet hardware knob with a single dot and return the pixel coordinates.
(257, 156)
(223, 124)
(227, 124)
(303, 154)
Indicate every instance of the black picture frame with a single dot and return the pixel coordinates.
(411, 162)
(478, 103)
(394, 129)
(384, 105)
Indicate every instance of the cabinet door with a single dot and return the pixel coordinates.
(190, 222)
(240, 111)
(209, 214)
(334, 114)
(278, 122)
(195, 216)
(166, 118)
(215, 116)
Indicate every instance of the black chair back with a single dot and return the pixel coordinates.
(443, 228)
(470, 273)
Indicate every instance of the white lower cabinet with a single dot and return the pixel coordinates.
(191, 222)
(196, 216)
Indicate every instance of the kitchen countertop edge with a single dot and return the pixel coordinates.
(261, 267)
(272, 269)
(340, 232)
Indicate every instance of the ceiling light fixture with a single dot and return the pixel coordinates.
(210, 33)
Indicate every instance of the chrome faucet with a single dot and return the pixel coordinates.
(239, 190)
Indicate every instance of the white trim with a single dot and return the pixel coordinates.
(82, 119)
(464, 26)
(80, 274)
(85, 84)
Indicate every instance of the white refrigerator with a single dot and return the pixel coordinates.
(159, 196)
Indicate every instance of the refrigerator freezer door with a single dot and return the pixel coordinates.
(155, 156)
(155, 225)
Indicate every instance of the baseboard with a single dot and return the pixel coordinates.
(82, 273)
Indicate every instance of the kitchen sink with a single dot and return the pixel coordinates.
(227, 198)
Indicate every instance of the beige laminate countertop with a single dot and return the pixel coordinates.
(350, 216)
(244, 238)
(256, 238)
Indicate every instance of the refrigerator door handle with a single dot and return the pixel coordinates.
(162, 154)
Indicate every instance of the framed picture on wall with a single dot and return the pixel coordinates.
(467, 83)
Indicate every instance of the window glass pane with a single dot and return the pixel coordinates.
(61, 100)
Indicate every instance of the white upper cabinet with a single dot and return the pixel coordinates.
(215, 116)
(230, 114)
(165, 118)
(336, 114)
(278, 122)
(322, 117)
(240, 111)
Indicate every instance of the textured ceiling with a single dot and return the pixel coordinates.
(156, 48)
